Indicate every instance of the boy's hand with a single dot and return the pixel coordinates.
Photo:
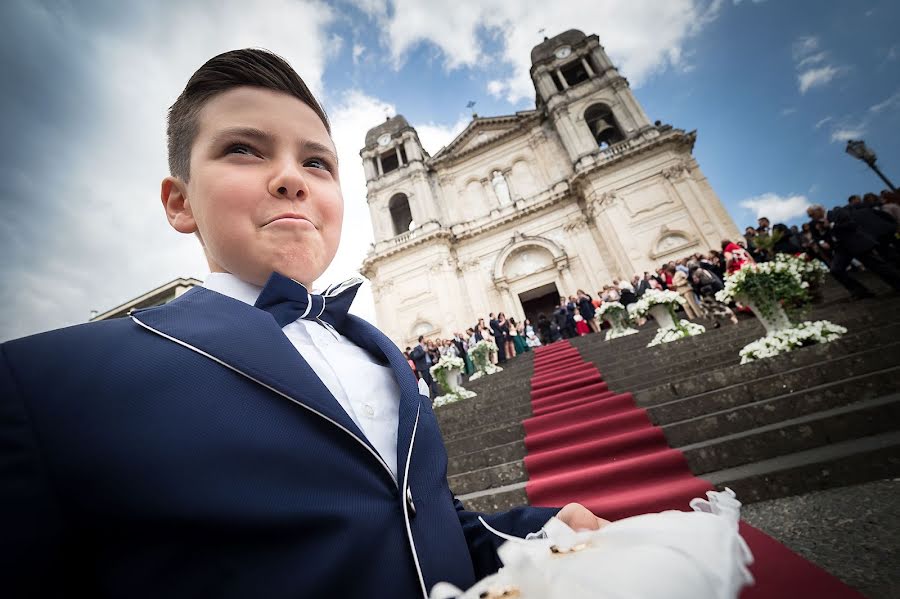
(577, 517)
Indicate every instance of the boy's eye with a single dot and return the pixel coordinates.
(318, 163)
(240, 149)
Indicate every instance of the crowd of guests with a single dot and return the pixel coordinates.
(863, 234)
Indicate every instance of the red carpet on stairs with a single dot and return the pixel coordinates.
(590, 445)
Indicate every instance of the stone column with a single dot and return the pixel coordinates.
(587, 67)
(561, 79)
(603, 211)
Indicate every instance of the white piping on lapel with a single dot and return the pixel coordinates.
(288, 397)
(412, 543)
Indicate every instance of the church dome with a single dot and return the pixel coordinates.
(392, 126)
(545, 49)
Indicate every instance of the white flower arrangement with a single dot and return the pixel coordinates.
(811, 270)
(610, 307)
(683, 328)
(805, 333)
(653, 297)
(441, 372)
(447, 363)
(480, 353)
(786, 277)
(615, 333)
(460, 393)
(618, 318)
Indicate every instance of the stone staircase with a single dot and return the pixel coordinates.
(815, 418)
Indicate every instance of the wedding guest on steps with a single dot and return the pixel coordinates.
(508, 345)
(586, 309)
(497, 337)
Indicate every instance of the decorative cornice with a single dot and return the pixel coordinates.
(521, 121)
(675, 137)
(679, 170)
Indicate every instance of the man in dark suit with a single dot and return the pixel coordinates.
(250, 438)
(849, 241)
(460, 346)
(422, 359)
(499, 338)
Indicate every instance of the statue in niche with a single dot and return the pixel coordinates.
(501, 188)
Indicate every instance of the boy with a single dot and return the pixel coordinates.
(248, 439)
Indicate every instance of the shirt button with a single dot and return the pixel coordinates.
(370, 411)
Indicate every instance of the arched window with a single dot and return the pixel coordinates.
(400, 213)
(603, 126)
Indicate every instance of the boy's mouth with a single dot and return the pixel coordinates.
(290, 216)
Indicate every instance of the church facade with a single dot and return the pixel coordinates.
(520, 209)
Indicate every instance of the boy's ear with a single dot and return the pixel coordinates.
(173, 193)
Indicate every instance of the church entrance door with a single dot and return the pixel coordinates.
(540, 300)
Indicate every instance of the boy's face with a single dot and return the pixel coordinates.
(264, 192)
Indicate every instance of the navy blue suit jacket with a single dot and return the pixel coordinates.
(190, 451)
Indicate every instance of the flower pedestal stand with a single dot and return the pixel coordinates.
(768, 289)
(617, 316)
(662, 308)
(480, 353)
(781, 335)
(663, 315)
(446, 373)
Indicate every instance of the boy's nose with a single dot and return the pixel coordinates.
(290, 185)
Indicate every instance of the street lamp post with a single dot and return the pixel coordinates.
(859, 150)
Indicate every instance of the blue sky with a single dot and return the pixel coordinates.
(773, 88)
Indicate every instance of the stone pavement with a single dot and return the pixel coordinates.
(852, 532)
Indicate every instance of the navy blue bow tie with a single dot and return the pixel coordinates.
(287, 300)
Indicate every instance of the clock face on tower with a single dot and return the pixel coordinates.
(384, 139)
(563, 52)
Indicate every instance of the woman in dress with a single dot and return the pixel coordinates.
(530, 337)
(484, 331)
(507, 336)
(735, 256)
(468, 341)
(518, 337)
(586, 307)
(682, 285)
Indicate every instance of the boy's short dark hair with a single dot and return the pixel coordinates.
(248, 67)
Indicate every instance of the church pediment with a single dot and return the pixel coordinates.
(481, 132)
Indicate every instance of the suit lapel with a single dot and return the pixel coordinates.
(248, 340)
(377, 344)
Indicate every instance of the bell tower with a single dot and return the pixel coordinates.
(586, 99)
(400, 194)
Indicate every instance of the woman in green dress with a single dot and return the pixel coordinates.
(469, 340)
(518, 338)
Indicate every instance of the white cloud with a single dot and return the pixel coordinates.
(824, 122)
(891, 102)
(435, 136)
(845, 133)
(788, 111)
(496, 88)
(816, 77)
(775, 207)
(806, 55)
(805, 46)
(812, 59)
(358, 50)
(642, 36)
(113, 242)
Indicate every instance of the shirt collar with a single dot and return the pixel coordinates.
(235, 288)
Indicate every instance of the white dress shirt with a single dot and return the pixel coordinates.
(365, 389)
